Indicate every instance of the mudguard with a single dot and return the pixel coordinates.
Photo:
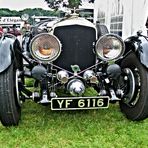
(143, 51)
(139, 45)
(6, 52)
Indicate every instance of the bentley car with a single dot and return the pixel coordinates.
(71, 55)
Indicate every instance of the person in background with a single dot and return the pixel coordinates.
(14, 31)
(1, 30)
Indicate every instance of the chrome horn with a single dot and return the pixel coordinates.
(90, 75)
(63, 76)
(76, 87)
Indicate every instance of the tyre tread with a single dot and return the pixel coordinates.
(9, 110)
(140, 110)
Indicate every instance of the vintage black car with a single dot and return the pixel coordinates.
(73, 54)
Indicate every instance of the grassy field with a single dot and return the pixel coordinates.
(42, 128)
(105, 128)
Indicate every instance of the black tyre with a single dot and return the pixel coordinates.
(135, 106)
(10, 110)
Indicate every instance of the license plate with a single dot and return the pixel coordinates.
(79, 103)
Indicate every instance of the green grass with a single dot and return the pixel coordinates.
(42, 128)
(105, 128)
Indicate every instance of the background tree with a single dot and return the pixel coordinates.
(55, 4)
(31, 12)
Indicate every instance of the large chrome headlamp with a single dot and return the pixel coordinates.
(110, 47)
(45, 47)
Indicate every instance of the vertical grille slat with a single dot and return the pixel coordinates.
(77, 46)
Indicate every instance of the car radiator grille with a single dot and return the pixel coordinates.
(77, 46)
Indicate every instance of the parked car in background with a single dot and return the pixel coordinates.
(73, 54)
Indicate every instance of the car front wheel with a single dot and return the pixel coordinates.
(135, 103)
(10, 110)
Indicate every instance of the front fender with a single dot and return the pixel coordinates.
(139, 45)
(6, 52)
(143, 51)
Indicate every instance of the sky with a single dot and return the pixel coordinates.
(22, 4)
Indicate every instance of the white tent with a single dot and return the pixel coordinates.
(134, 13)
